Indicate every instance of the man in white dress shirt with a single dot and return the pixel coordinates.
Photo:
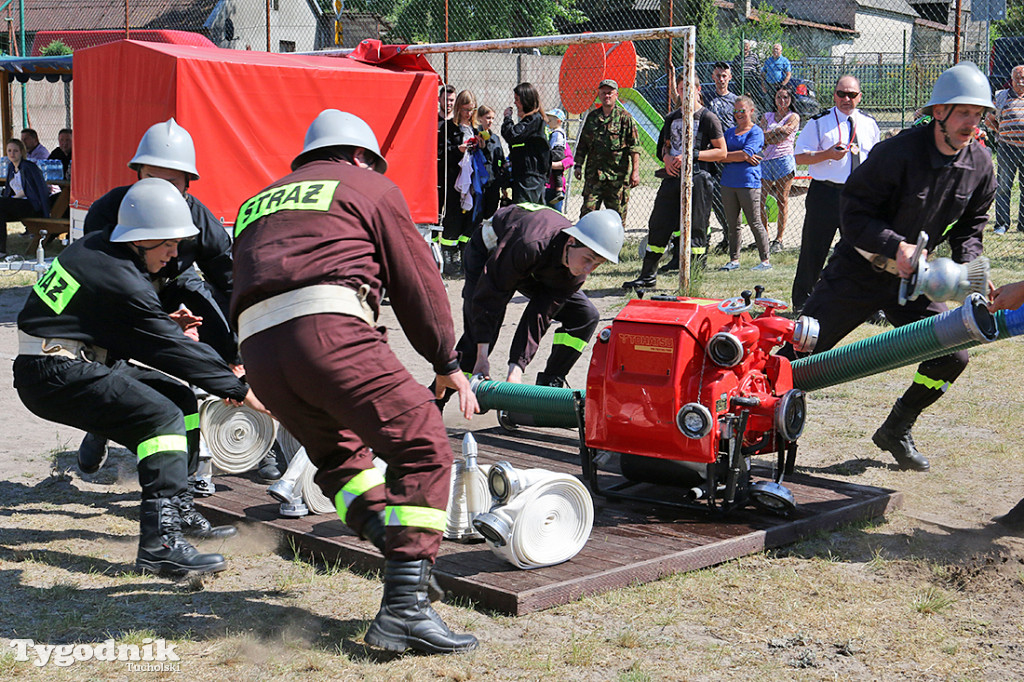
(833, 144)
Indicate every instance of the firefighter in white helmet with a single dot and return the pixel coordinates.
(85, 320)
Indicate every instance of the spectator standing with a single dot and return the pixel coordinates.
(529, 156)
(741, 183)
(778, 167)
(459, 141)
(747, 67)
(495, 163)
(1008, 121)
(708, 145)
(721, 104)
(445, 102)
(63, 151)
(33, 150)
(561, 161)
(608, 147)
(777, 71)
(833, 144)
(445, 110)
(26, 193)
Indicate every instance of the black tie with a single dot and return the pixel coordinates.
(854, 158)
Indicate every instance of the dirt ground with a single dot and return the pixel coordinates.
(934, 591)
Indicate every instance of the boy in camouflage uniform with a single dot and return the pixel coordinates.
(608, 146)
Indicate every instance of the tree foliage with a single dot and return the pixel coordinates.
(54, 49)
(1013, 25)
(423, 21)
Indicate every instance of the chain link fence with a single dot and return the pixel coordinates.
(896, 48)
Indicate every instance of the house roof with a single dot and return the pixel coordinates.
(43, 15)
(790, 21)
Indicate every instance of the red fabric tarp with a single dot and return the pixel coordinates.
(247, 113)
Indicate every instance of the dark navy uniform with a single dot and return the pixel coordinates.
(527, 259)
(905, 186)
(179, 283)
(99, 293)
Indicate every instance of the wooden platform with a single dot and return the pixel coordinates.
(631, 542)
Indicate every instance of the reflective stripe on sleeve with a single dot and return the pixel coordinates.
(191, 421)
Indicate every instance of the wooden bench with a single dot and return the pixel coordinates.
(57, 226)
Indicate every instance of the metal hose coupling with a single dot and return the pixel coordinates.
(805, 334)
(970, 322)
(468, 495)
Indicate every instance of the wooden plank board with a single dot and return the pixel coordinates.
(632, 542)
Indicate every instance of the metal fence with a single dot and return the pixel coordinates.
(895, 48)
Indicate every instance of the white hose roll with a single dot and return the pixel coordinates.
(289, 443)
(238, 437)
(467, 497)
(551, 522)
(314, 498)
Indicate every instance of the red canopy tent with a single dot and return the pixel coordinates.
(247, 113)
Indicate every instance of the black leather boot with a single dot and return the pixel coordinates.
(1013, 519)
(894, 436)
(92, 453)
(272, 466)
(162, 548)
(195, 525)
(451, 257)
(375, 532)
(553, 380)
(646, 279)
(406, 620)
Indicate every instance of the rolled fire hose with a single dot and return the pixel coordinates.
(237, 437)
(315, 500)
(965, 327)
(469, 495)
(547, 523)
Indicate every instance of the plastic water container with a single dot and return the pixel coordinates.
(52, 169)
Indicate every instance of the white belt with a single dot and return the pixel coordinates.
(880, 262)
(490, 238)
(312, 300)
(56, 347)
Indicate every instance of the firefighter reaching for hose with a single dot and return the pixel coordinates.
(313, 255)
(167, 151)
(91, 313)
(536, 251)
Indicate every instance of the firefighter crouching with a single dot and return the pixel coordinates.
(313, 254)
(538, 252)
(91, 313)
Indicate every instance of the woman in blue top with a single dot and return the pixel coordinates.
(26, 194)
(741, 183)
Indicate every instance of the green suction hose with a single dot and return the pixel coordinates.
(965, 327)
(527, 404)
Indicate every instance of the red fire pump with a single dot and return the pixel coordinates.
(686, 391)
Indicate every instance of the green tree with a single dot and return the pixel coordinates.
(1013, 25)
(422, 21)
(55, 49)
(767, 30)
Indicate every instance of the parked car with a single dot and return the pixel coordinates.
(1006, 53)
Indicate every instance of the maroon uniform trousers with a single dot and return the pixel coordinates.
(335, 384)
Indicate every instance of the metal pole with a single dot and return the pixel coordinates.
(686, 170)
(446, 40)
(531, 41)
(903, 88)
(21, 42)
(268, 25)
(669, 80)
(956, 34)
(127, 23)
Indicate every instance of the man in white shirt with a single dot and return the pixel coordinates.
(833, 144)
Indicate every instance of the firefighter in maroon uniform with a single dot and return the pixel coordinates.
(313, 255)
(534, 250)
